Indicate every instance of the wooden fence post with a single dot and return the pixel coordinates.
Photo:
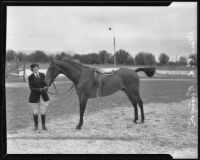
(24, 73)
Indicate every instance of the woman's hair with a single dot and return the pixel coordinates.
(34, 65)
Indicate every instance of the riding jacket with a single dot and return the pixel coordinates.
(35, 85)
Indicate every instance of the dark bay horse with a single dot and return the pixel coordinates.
(87, 84)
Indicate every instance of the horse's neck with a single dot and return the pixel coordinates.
(72, 71)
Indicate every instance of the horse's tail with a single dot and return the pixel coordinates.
(149, 71)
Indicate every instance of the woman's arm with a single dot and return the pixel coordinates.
(44, 83)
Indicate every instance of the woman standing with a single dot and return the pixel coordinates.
(38, 99)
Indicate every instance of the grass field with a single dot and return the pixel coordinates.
(108, 128)
(19, 115)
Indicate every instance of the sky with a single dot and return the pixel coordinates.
(171, 30)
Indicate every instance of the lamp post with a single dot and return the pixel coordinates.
(114, 49)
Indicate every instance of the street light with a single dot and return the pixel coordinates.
(114, 49)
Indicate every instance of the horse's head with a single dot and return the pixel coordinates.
(52, 72)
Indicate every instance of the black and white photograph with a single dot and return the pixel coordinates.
(102, 79)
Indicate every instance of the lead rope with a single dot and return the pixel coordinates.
(71, 88)
(55, 88)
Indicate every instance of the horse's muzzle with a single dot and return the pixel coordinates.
(47, 82)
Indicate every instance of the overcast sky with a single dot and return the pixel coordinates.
(86, 29)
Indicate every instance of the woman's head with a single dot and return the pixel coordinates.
(34, 67)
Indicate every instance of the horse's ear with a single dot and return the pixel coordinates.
(51, 60)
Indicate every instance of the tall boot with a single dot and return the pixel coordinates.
(43, 122)
(35, 118)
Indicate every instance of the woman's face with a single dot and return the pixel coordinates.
(35, 69)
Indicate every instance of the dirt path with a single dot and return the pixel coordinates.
(165, 130)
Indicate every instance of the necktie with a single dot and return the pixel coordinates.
(37, 75)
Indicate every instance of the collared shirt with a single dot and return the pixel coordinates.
(37, 75)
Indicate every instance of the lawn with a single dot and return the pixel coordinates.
(19, 113)
(107, 128)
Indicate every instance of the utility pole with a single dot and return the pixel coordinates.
(114, 55)
(114, 50)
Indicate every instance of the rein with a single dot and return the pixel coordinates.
(57, 91)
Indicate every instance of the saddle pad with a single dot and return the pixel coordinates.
(108, 70)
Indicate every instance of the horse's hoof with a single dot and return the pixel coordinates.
(78, 128)
(135, 121)
(142, 121)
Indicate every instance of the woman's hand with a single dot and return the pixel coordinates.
(45, 89)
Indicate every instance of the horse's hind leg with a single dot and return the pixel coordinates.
(134, 103)
(140, 103)
(83, 102)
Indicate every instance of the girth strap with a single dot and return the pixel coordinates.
(98, 77)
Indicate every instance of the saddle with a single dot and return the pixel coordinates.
(107, 71)
(102, 73)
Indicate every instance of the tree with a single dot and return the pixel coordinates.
(130, 60)
(149, 59)
(144, 58)
(76, 56)
(94, 58)
(139, 58)
(182, 61)
(58, 56)
(65, 56)
(11, 55)
(38, 56)
(104, 56)
(163, 59)
(84, 59)
(51, 56)
(123, 57)
(21, 56)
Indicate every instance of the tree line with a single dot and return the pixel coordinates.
(103, 57)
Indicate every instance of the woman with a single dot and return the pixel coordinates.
(38, 98)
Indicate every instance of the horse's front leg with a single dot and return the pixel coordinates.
(82, 101)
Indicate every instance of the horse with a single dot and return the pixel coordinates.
(86, 82)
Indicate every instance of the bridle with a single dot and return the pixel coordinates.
(56, 89)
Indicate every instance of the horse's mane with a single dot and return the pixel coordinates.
(70, 61)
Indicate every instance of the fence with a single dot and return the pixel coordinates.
(15, 71)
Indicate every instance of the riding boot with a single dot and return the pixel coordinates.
(43, 122)
(35, 118)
